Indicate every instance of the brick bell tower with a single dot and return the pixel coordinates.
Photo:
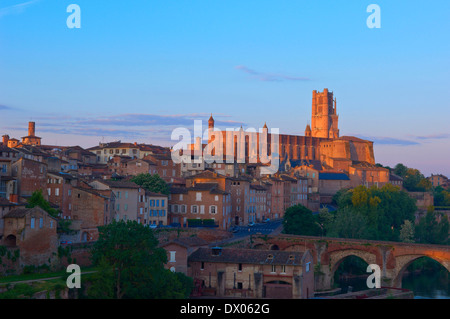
(324, 118)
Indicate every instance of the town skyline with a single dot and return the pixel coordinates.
(134, 72)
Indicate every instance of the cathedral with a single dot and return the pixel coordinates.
(321, 146)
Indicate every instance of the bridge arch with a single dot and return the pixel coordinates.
(337, 257)
(403, 262)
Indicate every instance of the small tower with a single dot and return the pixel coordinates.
(31, 128)
(211, 122)
(5, 139)
(308, 131)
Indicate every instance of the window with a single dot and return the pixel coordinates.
(41, 222)
(198, 196)
(194, 209)
(239, 285)
(308, 266)
(51, 223)
(57, 192)
(212, 209)
(157, 203)
(240, 267)
(172, 256)
(32, 223)
(49, 190)
(202, 266)
(274, 268)
(162, 203)
(283, 269)
(202, 209)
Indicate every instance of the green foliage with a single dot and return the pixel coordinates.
(102, 282)
(299, 220)
(131, 250)
(153, 183)
(64, 226)
(407, 232)
(431, 231)
(37, 199)
(19, 291)
(413, 179)
(371, 213)
(441, 196)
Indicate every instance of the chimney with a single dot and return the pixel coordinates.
(31, 128)
(5, 140)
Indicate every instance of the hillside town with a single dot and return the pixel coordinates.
(92, 187)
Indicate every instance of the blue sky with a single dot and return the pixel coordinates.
(135, 70)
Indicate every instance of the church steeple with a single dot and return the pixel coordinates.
(211, 122)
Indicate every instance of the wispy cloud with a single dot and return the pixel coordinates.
(438, 136)
(17, 8)
(390, 140)
(135, 120)
(4, 107)
(269, 77)
(130, 126)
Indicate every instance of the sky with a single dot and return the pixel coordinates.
(136, 70)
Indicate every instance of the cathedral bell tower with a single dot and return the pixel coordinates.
(324, 118)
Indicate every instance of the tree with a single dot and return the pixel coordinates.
(431, 231)
(407, 232)
(37, 199)
(378, 213)
(132, 251)
(441, 196)
(299, 220)
(413, 179)
(153, 183)
(102, 283)
(348, 223)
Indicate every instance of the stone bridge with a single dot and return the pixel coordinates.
(392, 257)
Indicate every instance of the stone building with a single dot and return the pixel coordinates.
(178, 251)
(90, 209)
(153, 209)
(59, 191)
(126, 197)
(33, 231)
(31, 176)
(252, 273)
(200, 201)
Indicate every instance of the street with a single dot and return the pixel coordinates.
(261, 228)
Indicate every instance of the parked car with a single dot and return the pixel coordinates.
(153, 226)
(251, 224)
(267, 220)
